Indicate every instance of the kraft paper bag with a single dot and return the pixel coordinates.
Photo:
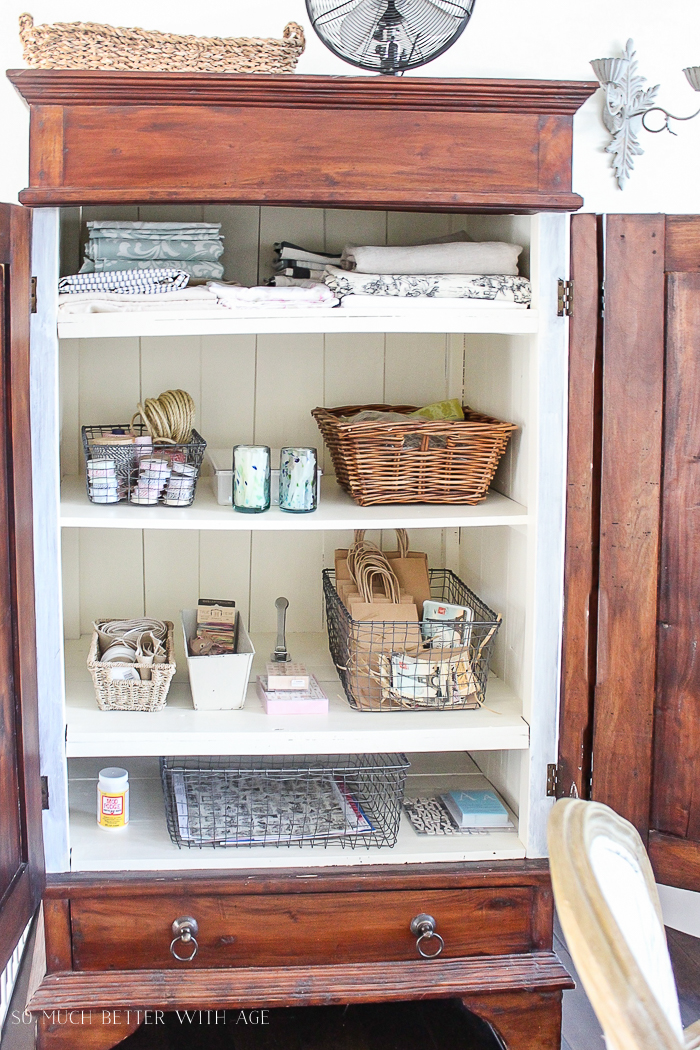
(412, 573)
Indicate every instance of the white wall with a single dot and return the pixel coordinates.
(538, 39)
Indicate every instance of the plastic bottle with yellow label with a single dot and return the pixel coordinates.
(113, 798)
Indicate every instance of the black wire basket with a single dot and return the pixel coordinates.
(390, 665)
(144, 472)
(284, 800)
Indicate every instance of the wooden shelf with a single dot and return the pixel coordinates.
(224, 322)
(145, 844)
(180, 730)
(335, 511)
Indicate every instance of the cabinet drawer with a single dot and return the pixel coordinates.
(298, 929)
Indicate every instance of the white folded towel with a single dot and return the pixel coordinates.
(311, 294)
(472, 257)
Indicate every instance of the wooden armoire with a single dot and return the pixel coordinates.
(582, 544)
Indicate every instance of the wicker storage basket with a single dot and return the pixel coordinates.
(131, 696)
(88, 45)
(450, 462)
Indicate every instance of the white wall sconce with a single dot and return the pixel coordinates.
(628, 103)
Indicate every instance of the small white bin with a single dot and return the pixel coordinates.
(220, 461)
(218, 683)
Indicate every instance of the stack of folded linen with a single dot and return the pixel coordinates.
(297, 295)
(481, 271)
(193, 247)
(294, 263)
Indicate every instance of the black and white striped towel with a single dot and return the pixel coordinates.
(127, 282)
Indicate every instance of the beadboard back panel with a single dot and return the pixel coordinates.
(261, 389)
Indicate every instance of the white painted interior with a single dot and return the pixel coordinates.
(126, 561)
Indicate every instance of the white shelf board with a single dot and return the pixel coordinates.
(180, 730)
(145, 844)
(206, 322)
(336, 510)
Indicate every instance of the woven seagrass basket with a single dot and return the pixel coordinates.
(131, 696)
(419, 461)
(88, 45)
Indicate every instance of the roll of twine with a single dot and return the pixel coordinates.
(168, 418)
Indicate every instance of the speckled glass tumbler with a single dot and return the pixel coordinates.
(298, 480)
(251, 478)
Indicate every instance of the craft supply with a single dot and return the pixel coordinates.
(279, 800)
(362, 651)
(113, 797)
(309, 701)
(476, 808)
(251, 478)
(131, 663)
(217, 628)
(169, 417)
(428, 816)
(286, 676)
(213, 610)
(146, 468)
(219, 675)
(281, 653)
(298, 484)
(439, 616)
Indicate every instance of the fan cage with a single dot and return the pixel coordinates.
(389, 36)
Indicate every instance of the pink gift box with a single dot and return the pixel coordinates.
(292, 702)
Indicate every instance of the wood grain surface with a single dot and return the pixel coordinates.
(21, 850)
(579, 631)
(633, 364)
(676, 798)
(132, 885)
(675, 860)
(304, 985)
(277, 930)
(682, 243)
(523, 1021)
(455, 145)
(70, 87)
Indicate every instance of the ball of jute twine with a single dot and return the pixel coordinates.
(168, 418)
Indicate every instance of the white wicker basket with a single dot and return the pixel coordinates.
(131, 696)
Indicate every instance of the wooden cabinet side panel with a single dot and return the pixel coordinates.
(582, 512)
(633, 362)
(676, 794)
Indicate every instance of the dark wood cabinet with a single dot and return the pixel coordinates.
(341, 933)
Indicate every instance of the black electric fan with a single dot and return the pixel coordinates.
(389, 36)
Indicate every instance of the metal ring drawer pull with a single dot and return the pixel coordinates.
(423, 926)
(185, 929)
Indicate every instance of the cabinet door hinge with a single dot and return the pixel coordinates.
(565, 298)
(602, 298)
(44, 792)
(552, 780)
(32, 296)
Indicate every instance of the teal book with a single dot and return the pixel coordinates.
(478, 808)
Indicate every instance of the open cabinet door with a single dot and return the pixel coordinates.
(674, 839)
(630, 713)
(21, 851)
